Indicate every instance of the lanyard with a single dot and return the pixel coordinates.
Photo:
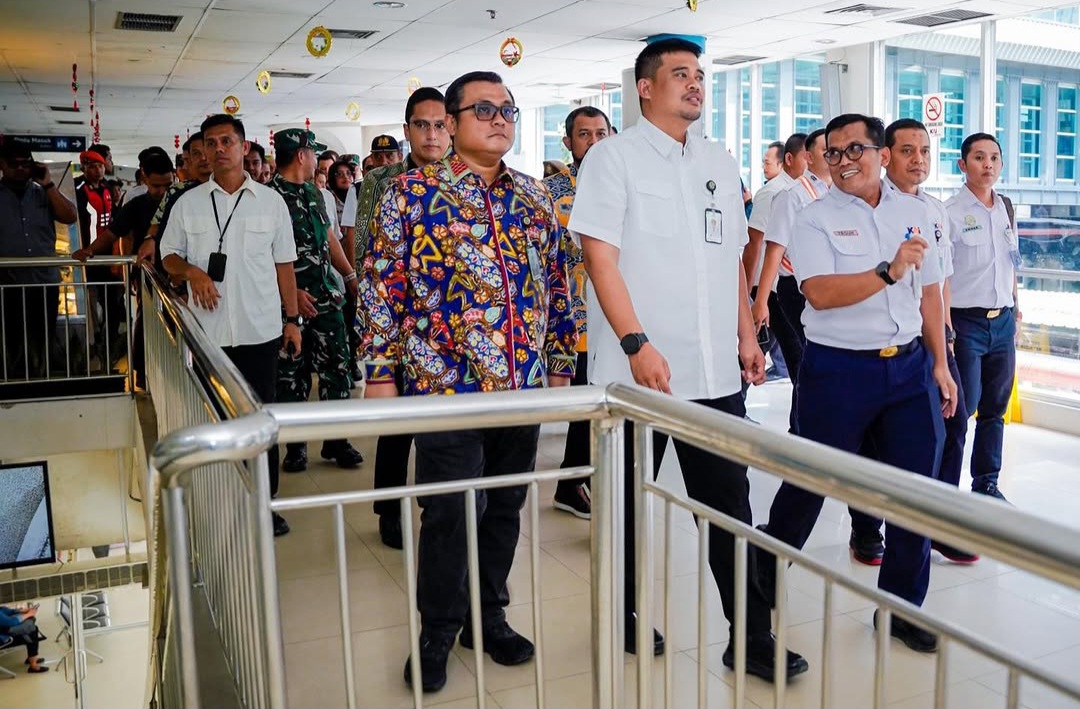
(217, 220)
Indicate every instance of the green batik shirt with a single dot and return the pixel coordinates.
(310, 229)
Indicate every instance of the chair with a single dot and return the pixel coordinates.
(95, 615)
(7, 643)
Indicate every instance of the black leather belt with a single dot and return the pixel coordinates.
(890, 351)
(988, 313)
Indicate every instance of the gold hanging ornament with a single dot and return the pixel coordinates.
(318, 41)
(231, 105)
(352, 111)
(692, 5)
(511, 51)
(413, 85)
(263, 83)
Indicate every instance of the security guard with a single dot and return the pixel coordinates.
(874, 366)
(325, 342)
(986, 254)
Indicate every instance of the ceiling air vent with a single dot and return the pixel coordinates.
(146, 22)
(864, 9)
(71, 123)
(291, 74)
(64, 109)
(736, 59)
(945, 17)
(352, 34)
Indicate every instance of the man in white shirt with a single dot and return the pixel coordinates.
(874, 367)
(656, 204)
(231, 239)
(986, 256)
(754, 253)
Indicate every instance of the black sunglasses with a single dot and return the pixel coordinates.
(486, 112)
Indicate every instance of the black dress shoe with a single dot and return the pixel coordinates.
(390, 531)
(761, 657)
(295, 458)
(434, 652)
(342, 453)
(867, 547)
(281, 527)
(630, 638)
(988, 489)
(957, 556)
(503, 643)
(910, 634)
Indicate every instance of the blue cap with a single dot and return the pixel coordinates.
(698, 39)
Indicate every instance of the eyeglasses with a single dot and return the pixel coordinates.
(487, 111)
(425, 126)
(853, 152)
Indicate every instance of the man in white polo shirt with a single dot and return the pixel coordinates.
(231, 239)
(658, 205)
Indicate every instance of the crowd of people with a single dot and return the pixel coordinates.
(445, 271)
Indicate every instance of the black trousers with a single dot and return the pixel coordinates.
(442, 567)
(392, 461)
(721, 484)
(578, 449)
(258, 364)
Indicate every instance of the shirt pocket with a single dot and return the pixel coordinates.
(975, 236)
(853, 253)
(654, 207)
(258, 237)
(202, 240)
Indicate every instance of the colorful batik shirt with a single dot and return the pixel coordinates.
(465, 286)
(563, 187)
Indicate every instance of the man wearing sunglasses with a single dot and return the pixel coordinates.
(874, 369)
(465, 290)
(425, 128)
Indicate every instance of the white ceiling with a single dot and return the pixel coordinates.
(151, 85)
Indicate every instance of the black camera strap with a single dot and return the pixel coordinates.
(217, 220)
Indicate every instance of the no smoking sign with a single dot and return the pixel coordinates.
(934, 114)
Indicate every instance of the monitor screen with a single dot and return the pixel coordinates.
(26, 528)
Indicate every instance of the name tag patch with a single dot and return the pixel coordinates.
(845, 232)
(971, 224)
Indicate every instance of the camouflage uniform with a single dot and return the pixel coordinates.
(325, 342)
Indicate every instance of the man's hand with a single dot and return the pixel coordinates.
(147, 251)
(948, 390)
(306, 303)
(650, 369)
(290, 335)
(753, 361)
(380, 390)
(353, 287)
(45, 178)
(908, 255)
(83, 254)
(554, 381)
(760, 310)
(202, 289)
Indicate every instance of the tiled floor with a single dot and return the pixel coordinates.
(1034, 617)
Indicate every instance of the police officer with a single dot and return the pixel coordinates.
(325, 342)
(986, 254)
(874, 367)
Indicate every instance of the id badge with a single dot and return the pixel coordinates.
(535, 267)
(714, 226)
(215, 268)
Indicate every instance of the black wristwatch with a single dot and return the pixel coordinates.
(883, 271)
(293, 320)
(632, 343)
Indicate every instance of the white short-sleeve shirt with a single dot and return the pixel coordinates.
(762, 213)
(647, 194)
(801, 192)
(941, 228)
(984, 245)
(348, 212)
(842, 234)
(259, 236)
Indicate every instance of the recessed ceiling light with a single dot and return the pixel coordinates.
(383, 5)
(825, 41)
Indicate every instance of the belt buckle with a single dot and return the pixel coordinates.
(991, 314)
(890, 351)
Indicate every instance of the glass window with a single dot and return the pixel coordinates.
(770, 104)
(953, 85)
(744, 124)
(719, 104)
(554, 131)
(999, 110)
(615, 115)
(808, 111)
(1066, 133)
(1030, 120)
(911, 85)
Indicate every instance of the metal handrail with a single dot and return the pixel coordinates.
(48, 261)
(1056, 274)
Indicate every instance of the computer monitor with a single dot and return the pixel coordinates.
(26, 528)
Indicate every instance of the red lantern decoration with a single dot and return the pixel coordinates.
(307, 124)
(75, 86)
(271, 139)
(176, 141)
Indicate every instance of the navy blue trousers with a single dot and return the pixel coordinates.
(847, 399)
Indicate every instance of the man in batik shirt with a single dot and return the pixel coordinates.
(465, 288)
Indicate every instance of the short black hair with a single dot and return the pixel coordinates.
(196, 136)
(456, 91)
(424, 93)
(256, 148)
(779, 146)
(875, 128)
(650, 58)
(588, 112)
(970, 141)
(157, 164)
(795, 144)
(152, 150)
(101, 149)
(814, 136)
(902, 124)
(340, 163)
(328, 155)
(224, 119)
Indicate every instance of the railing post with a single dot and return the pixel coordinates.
(643, 540)
(275, 652)
(607, 551)
(176, 522)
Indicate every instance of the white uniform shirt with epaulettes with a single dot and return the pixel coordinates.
(762, 213)
(842, 234)
(807, 188)
(942, 232)
(985, 252)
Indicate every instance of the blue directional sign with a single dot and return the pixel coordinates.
(50, 143)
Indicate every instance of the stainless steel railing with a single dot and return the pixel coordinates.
(1012, 536)
(64, 337)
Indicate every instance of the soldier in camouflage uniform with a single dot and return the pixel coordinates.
(325, 348)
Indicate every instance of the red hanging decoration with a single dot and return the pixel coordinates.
(271, 139)
(97, 127)
(307, 124)
(176, 141)
(75, 86)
